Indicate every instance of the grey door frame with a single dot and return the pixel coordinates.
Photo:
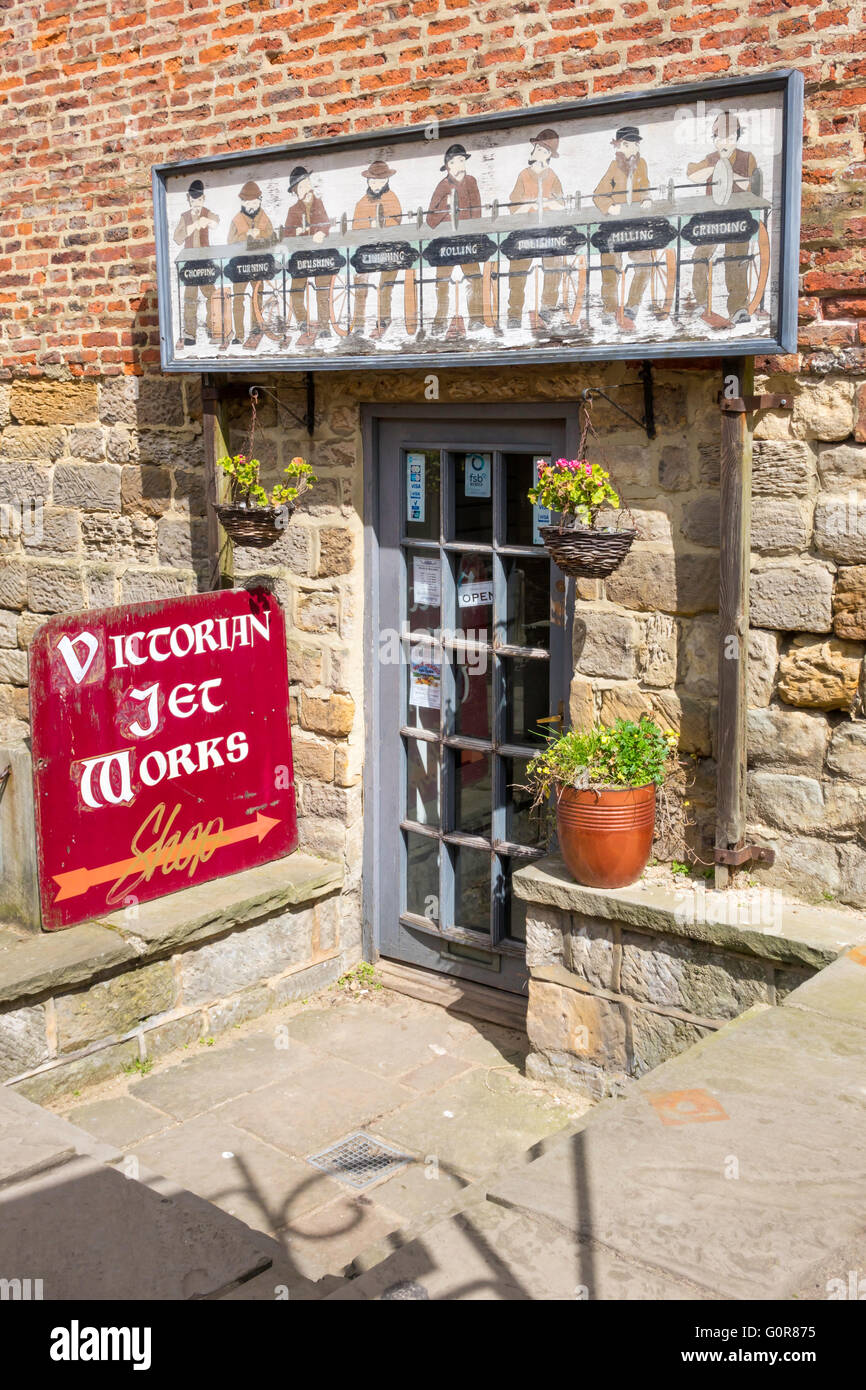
(452, 417)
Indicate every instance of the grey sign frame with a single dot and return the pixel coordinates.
(788, 82)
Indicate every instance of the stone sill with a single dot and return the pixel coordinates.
(806, 935)
(33, 965)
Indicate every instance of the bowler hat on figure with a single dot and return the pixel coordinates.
(451, 153)
(298, 174)
(196, 189)
(549, 139)
(250, 191)
(378, 170)
(628, 132)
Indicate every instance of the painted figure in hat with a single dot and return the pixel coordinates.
(307, 217)
(458, 191)
(624, 184)
(379, 207)
(193, 229)
(254, 228)
(743, 177)
(537, 188)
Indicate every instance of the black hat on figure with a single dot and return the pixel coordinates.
(298, 174)
(196, 189)
(628, 132)
(451, 153)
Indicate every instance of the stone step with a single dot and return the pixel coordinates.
(739, 1166)
(736, 1170)
(71, 1218)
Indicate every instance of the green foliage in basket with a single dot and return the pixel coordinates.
(244, 473)
(626, 754)
(573, 487)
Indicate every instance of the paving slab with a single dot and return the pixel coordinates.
(89, 1232)
(489, 1253)
(214, 1076)
(283, 1283)
(372, 1038)
(419, 1191)
(839, 1278)
(431, 1075)
(119, 1120)
(737, 1166)
(838, 991)
(316, 1105)
(487, 1043)
(327, 1240)
(247, 1178)
(476, 1122)
(32, 1139)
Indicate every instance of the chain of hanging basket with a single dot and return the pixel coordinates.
(248, 524)
(589, 551)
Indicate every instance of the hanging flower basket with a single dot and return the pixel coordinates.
(254, 526)
(577, 491)
(250, 516)
(590, 551)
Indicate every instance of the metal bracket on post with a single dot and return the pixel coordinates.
(745, 854)
(744, 405)
(4, 778)
(648, 422)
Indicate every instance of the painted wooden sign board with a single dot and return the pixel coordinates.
(661, 223)
(162, 751)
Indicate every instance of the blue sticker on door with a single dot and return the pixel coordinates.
(478, 474)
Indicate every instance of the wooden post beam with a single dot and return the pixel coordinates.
(735, 524)
(219, 547)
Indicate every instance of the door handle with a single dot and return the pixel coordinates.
(553, 718)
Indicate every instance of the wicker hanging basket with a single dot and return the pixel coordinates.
(587, 551)
(256, 527)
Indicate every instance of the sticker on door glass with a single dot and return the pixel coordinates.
(540, 515)
(478, 473)
(425, 685)
(475, 594)
(415, 487)
(426, 581)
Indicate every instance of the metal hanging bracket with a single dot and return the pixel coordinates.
(745, 854)
(743, 405)
(648, 422)
(308, 419)
(4, 778)
(235, 389)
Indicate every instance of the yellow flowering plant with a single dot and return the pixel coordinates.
(246, 488)
(627, 753)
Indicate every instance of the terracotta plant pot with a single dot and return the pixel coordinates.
(606, 836)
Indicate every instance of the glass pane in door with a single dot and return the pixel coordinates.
(472, 600)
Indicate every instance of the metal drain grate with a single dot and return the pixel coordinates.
(359, 1160)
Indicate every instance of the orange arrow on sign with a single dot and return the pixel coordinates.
(77, 881)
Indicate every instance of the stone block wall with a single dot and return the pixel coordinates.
(112, 451)
(317, 570)
(102, 496)
(71, 1034)
(609, 1001)
(645, 639)
(807, 734)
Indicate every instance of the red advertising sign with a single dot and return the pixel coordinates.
(162, 753)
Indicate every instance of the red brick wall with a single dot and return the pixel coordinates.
(95, 91)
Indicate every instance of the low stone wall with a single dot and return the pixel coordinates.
(622, 981)
(78, 1006)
